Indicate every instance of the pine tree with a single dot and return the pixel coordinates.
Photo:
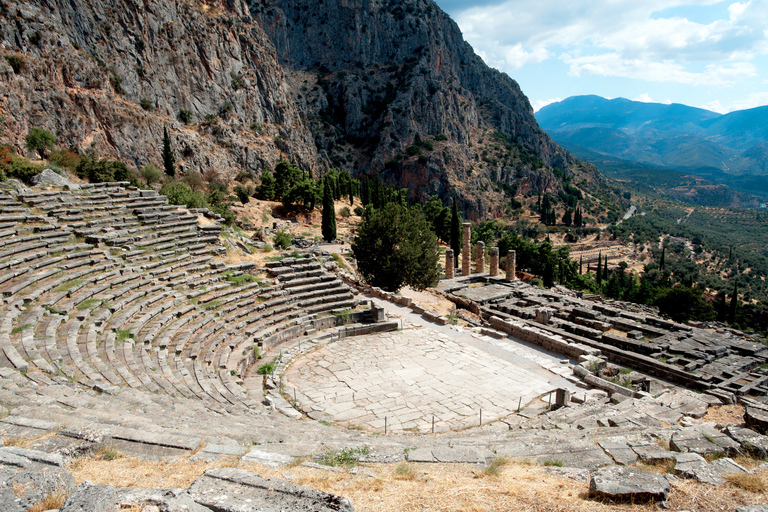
(329, 212)
(734, 303)
(455, 243)
(169, 161)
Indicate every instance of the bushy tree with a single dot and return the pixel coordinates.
(243, 193)
(150, 173)
(286, 177)
(395, 247)
(181, 194)
(266, 190)
(40, 140)
(329, 212)
(303, 194)
(682, 303)
(101, 170)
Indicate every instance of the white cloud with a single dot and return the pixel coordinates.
(753, 100)
(539, 104)
(715, 106)
(612, 64)
(645, 98)
(623, 38)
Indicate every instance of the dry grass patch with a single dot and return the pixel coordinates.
(412, 487)
(404, 471)
(52, 501)
(730, 414)
(751, 483)
(664, 467)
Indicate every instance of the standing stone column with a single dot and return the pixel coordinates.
(466, 251)
(449, 263)
(480, 258)
(511, 262)
(494, 261)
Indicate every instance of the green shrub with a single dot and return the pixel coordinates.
(413, 150)
(147, 104)
(65, 158)
(441, 136)
(102, 170)
(282, 240)
(151, 174)
(359, 210)
(40, 140)
(185, 116)
(238, 82)
(344, 212)
(17, 63)
(266, 368)
(180, 194)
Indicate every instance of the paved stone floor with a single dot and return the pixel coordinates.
(429, 370)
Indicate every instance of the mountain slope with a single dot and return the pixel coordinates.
(375, 86)
(688, 139)
(380, 75)
(88, 67)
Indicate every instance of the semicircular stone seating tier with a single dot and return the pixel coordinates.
(108, 286)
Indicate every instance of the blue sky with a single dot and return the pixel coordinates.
(706, 53)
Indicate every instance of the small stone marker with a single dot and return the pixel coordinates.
(562, 398)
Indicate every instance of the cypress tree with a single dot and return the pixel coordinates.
(721, 308)
(365, 192)
(581, 264)
(169, 161)
(455, 244)
(599, 267)
(605, 269)
(734, 302)
(567, 217)
(661, 261)
(329, 213)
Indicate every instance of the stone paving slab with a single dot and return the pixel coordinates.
(570, 453)
(409, 377)
(447, 454)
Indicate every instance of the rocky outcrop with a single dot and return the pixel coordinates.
(373, 86)
(382, 75)
(108, 76)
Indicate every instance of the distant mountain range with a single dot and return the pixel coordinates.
(726, 148)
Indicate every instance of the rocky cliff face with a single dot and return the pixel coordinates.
(109, 75)
(375, 77)
(374, 86)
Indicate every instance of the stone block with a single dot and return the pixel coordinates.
(628, 484)
(237, 490)
(89, 498)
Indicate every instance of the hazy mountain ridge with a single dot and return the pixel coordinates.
(730, 148)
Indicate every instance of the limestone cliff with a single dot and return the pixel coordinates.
(374, 86)
(109, 75)
(375, 76)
